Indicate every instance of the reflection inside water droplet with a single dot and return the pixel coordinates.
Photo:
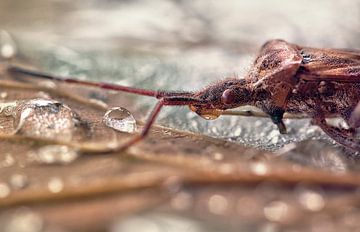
(54, 154)
(120, 119)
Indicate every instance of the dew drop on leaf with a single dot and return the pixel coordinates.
(120, 119)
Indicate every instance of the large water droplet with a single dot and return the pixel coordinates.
(120, 119)
(54, 154)
(46, 118)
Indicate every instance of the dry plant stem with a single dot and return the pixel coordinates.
(210, 173)
(240, 173)
(84, 147)
(112, 185)
(77, 98)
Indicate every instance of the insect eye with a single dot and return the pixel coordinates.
(228, 97)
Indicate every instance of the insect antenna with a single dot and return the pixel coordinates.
(165, 98)
(103, 85)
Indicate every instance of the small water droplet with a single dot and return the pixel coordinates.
(3, 95)
(276, 211)
(23, 220)
(8, 161)
(182, 201)
(18, 181)
(217, 156)
(226, 169)
(311, 200)
(55, 185)
(218, 204)
(120, 119)
(54, 154)
(4, 190)
(259, 168)
(7, 45)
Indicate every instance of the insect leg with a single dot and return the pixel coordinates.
(354, 120)
(154, 113)
(166, 101)
(277, 118)
(341, 136)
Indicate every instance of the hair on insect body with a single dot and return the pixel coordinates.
(285, 77)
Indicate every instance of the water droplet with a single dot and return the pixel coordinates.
(217, 156)
(276, 211)
(7, 45)
(46, 118)
(3, 95)
(55, 185)
(54, 154)
(24, 220)
(208, 114)
(226, 169)
(218, 204)
(18, 181)
(120, 119)
(237, 132)
(182, 201)
(259, 168)
(311, 200)
(8, 161)
(4, 190)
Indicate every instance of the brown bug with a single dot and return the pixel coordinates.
(285, 77)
